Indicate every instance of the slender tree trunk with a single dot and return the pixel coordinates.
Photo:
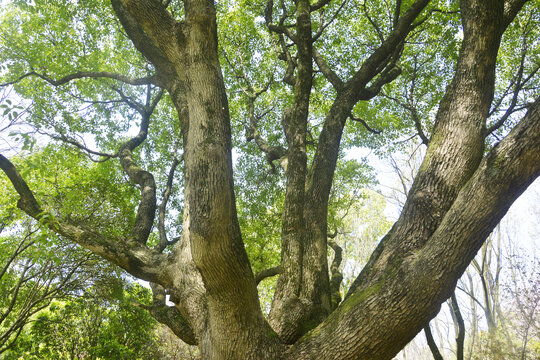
(459, 326)
(432, 345)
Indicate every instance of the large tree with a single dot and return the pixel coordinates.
(332, 58)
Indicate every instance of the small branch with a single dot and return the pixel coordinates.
(518, 83)
(266, 273)
(337, 276)
(328, 73)
(373, 23)
(412, 106)
(272, 152)
(364, 123)
(86, 74)
(323, 26)
(163, 241)
(86, 150)
(459, 325)
(281, 31)
(418, 126)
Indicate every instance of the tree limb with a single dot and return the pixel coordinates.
(511, 8)
(266, 273)
(138, 260)
(141, 39)
(146, 211)
(431, 343)
(364, 123)
(328, 73)
(337, 276)
(459, 325)
(86, 74)
(168, 315)
(163, 241)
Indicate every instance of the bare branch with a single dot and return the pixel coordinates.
(459, 325)
(431, 343)
(163, 241)
(266, 273)
(328, 73)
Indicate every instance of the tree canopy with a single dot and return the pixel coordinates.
(202, 147)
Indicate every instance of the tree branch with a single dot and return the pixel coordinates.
(86, 74)
(168, 315)
(511, 8)
(86, 150)
(328, 73)
(163, 241)
(431, 343)
(459, 326)
(138, 260)
(272, 152)
(126, 12)
(381, 57)
(266, 273)
(337, 276)
(364, 123)
(146, 211)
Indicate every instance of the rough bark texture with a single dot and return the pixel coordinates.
(457, 198)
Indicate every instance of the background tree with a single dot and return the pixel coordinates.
(96, 71)
(101, 324)
(31, 278)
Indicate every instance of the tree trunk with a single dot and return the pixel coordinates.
(456, 200)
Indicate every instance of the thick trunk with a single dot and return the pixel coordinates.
(304, 246)
(213, 284)
(457, 143)
(456, 200)
(377, 321)
(291, 309)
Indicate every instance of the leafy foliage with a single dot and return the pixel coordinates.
(102, 325)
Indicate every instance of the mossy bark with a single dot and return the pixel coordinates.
(456, 199)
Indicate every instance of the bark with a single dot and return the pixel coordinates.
(289, 309)
(311, 302)
(455, 201)
(459, 326)
(377, 321)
